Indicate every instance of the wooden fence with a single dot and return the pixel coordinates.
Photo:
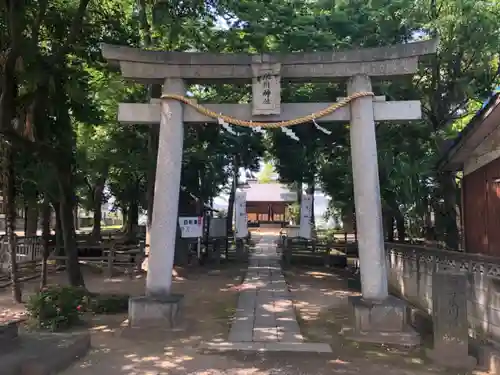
(111, 256)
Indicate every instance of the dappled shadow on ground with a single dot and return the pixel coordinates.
(210, 300)
(321, 298)
(208, 306)
(324, 314)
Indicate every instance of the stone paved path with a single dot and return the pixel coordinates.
(265, 318)
(265, 311)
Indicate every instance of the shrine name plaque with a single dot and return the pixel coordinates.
(266, 89)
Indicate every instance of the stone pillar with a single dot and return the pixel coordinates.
(378, 317)
(449, 317)
(367, 192)
(160, 308)
(167, 186)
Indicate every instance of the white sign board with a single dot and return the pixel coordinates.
(306, 216)
(240, 213)
(218, 227)
(191, 227)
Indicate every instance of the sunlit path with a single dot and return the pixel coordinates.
(265, 318)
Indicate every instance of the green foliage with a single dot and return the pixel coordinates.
(67, 97)
(56, 307)
(108, 303)
(451, 85)
(266, 175)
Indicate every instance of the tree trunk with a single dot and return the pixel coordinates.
(348, 220)
(181, 251)
(428, 225)
(16, 19)
(232, 194)
(400, 226)
(154, 131)
(31, 218)
(76, 216)
(389, 225)
(299, 192)
(230, 210)
(132, 221)
(448, 210)
(124, 219)
(25, 212)
(67, 203)
(153, 154)
(97, 202)
(10, 218)
(58, 230)
(96, 226)
(45, 238)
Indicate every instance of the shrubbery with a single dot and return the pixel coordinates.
(108, 303)
(57, 307)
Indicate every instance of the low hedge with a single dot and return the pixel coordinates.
(56, 308)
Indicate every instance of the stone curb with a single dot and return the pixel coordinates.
(267, 347)
(58, 352)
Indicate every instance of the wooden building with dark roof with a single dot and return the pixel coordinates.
(476, 152)
(267, 203)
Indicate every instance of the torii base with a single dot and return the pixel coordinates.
(382, 322)
(154, 311)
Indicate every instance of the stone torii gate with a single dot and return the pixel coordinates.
(379, 317)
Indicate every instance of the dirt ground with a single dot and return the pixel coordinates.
(210, 299)
(321, 303)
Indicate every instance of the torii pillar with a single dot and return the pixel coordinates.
(379, 317)
(159, 307)
(366, 185)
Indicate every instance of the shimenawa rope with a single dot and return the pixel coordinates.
(301, 120)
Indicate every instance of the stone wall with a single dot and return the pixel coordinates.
(410, 270)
